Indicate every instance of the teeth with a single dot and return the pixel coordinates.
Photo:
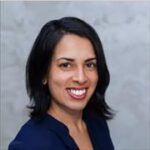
(77, 92)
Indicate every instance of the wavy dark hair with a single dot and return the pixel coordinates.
(40, 58)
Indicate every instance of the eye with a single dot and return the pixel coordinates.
(91, 65)
(65, 65)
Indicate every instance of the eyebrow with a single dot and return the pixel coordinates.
(71, 59)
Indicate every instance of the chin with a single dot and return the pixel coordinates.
(76, 108)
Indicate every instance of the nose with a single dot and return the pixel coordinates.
(80, 76)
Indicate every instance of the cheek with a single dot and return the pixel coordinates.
(55, 84)
(93, 77)
(58, 80)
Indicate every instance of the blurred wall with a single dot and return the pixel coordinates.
(124, 28)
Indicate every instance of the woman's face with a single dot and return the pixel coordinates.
(72, 76)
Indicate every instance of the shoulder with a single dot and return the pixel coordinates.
(33, 135)
(96, 120)
(98, 123)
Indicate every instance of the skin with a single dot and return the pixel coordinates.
(73, 66)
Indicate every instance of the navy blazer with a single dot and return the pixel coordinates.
(51, 134)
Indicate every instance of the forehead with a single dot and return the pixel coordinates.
(74, 46)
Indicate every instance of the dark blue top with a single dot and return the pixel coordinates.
(51, 134)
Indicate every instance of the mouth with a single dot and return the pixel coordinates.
(77, 93)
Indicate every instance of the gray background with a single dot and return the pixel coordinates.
(124, 28)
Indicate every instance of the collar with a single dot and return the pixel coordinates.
(61, 131)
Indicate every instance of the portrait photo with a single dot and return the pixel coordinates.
(75, 75)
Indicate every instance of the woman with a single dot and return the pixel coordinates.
(66, 78)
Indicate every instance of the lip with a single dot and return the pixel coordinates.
(77, 88)
(77, 97)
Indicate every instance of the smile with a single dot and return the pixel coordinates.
(77, 93)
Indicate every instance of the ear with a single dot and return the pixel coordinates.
(44, 81)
